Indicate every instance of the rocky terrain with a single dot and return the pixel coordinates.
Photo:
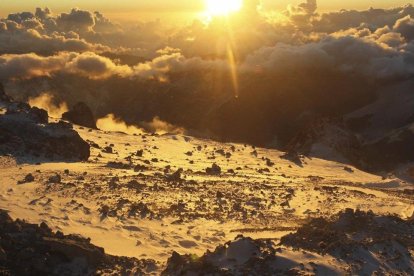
(352, 242)
(171, 203)
(30, 249)
(25, 131)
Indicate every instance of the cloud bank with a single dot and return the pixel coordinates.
(257, 76)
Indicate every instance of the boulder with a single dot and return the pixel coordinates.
(55, 179)
(24, 130)
(80, 114)
(214, 170)
(39, 115)
(31, 249)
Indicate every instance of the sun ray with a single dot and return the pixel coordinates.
(233, 70)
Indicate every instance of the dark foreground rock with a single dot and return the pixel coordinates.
(243, 256)
(362, 239)
(354, 242)
(80, 114)
(25, 130)
(30, 249)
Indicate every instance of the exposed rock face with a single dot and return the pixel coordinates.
(30, 249)
(392, 150)
(358, 242)
(243, 256)
(25, 130)
(327, 138)
(39, 115)
(331, 139)
(361, 239)
(80, 114)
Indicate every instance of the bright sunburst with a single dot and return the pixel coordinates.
(222, 7)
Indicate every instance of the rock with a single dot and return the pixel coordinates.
(118, 165)
(72, 249)
(292, 156)
(80, 114)
(176, 176)
(394, 149)
(257, 258)
(269, 163)
(108, 149)
(39, 115)
(27, 179)
(140, 168)
(25, 130)
(29, 249)
(348, 169)
(135, 185)
(140, 153)
(214, 170)
(221, 152)
(55, 179)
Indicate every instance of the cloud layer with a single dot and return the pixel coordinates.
(256, 72)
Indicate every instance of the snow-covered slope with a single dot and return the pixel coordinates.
(148, 195)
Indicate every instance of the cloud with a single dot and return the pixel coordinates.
(47, 102)
(405, 26)
(93, 66)
(351, 55)
(29, 65)
(372, 18)
(302, 13)
(88, 64)
(286, 71)
(16, 38)
(161, 127)
(111, 123)
(44, 33)
(77, 20)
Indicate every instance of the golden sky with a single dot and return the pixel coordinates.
(161, 8)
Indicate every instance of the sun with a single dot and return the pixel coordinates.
(222, 7)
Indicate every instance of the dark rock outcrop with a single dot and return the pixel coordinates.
(80, 114)
(31, 249)
(243, 256)
(25, 130)
(392, 150)
(359, 241)
(327, 138)
(332, 139)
